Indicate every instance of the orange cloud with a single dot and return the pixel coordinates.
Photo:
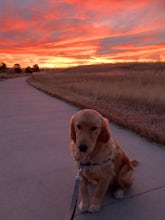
(72, 32)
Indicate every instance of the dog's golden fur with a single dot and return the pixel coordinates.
(92, 142)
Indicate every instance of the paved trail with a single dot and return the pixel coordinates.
(37, 173)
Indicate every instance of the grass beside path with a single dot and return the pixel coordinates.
(131, 95)
(4, 76)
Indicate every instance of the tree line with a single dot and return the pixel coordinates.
(17, 68)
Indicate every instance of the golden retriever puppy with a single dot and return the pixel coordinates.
(102, 160)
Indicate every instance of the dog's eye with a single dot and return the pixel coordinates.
(79, 127)
(94, 128)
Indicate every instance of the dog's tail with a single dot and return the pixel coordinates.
(135, 163)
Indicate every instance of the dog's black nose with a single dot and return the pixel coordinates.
(83, 147)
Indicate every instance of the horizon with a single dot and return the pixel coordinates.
(68, 33)
(90, 65)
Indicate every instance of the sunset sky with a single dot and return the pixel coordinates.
(60, 33)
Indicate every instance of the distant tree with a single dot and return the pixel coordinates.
(17, 68)
(36, 68)
(28, 69)
(3, 67)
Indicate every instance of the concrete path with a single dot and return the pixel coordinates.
(37, 172)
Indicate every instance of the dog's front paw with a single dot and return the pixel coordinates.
(94, 208)
(83, 206)
(119, 194)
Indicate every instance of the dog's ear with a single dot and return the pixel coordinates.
(72, 129)
(105, 132)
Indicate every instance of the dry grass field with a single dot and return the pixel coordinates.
(131, 95)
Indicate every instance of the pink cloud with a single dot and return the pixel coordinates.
(76, 29)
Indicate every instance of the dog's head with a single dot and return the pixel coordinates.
(88, 128)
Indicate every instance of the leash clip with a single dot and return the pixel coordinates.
(78, 176)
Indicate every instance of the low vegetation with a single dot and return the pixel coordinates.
(131, 95)
(16, 71)
(4, 76)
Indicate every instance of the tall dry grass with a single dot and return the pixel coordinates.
(132, 95)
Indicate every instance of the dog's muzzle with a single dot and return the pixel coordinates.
(83, 147)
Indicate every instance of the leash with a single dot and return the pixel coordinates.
(72, 209)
